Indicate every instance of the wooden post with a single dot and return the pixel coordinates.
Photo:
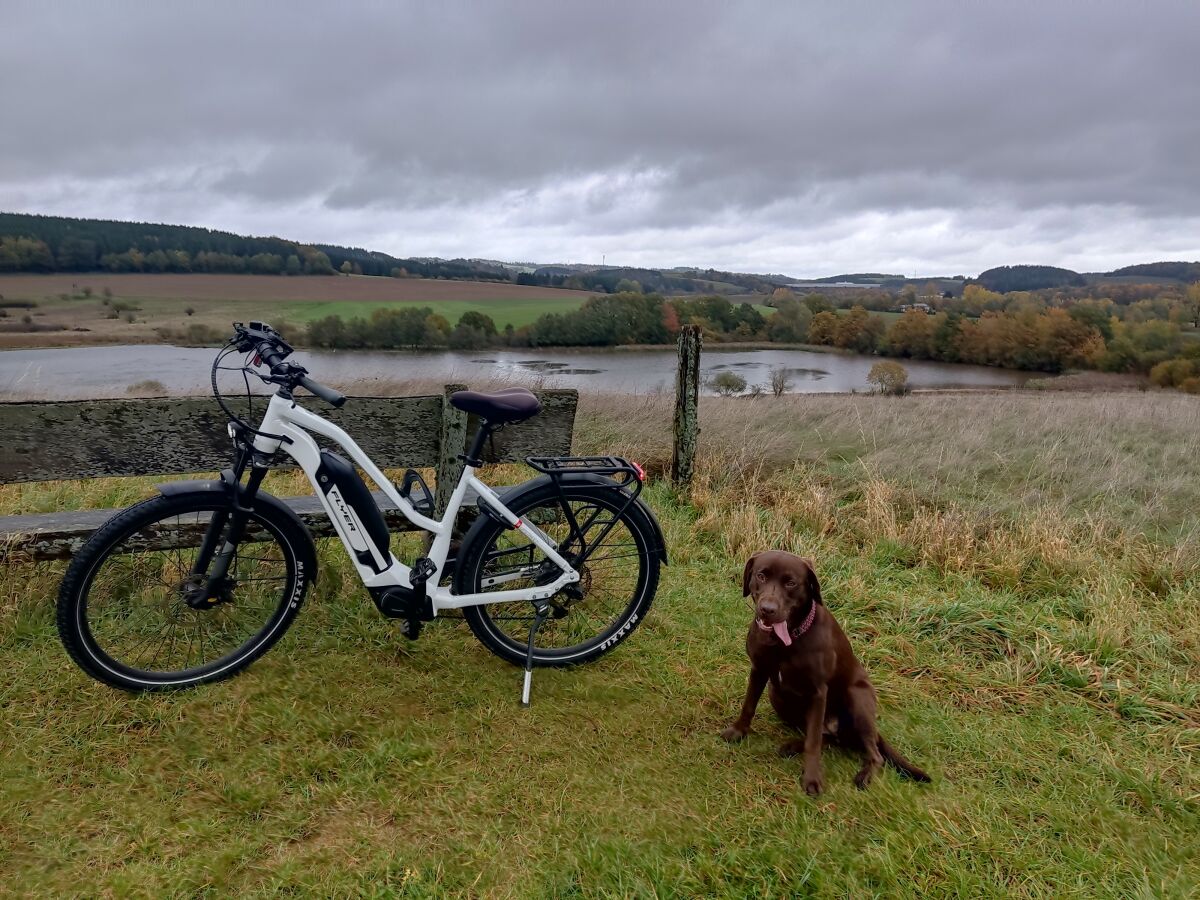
(687, 403)
(453, 442)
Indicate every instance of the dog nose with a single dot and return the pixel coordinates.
(767, 608)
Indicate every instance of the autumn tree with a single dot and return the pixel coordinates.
(911, 335)
(823, 329)
(888, 377)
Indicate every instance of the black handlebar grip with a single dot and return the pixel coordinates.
(328, 394)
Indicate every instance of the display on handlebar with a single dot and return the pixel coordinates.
(262, 339)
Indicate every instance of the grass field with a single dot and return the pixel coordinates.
(1018, 571)
(160, 302)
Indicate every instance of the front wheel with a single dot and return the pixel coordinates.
(618, 574)
(140, 608)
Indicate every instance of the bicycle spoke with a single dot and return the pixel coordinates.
(608, 582)
(136, 608)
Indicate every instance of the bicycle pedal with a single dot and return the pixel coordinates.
(411, 629)
(422, 570)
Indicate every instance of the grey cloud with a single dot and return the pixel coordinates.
(741, 135)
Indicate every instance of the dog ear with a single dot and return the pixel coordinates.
(814, 586)
(749, 570)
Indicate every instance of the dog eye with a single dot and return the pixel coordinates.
(761, 576)
(791, 582)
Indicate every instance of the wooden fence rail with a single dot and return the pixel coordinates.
(58, 441)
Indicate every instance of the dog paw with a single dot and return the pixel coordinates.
(733, 734)
(863, 779)
(791, 748)
(813, 785)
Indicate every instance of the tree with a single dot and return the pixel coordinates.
(748, 322)
(911, 335)
(189, 311)
(944, 344)
(479, 321)
(824, 328)
(396, 328)
(889, 377)
(327, 332)
(316, 262)
(437, 331)
(858, 330)
(293, 265)
(468, 337)
(781, 295)
(781, 381)
(1094, 314)
(727, 383)
(77, 255)
(817, 303)
(628, 286)
(347, 267)
(791, 322)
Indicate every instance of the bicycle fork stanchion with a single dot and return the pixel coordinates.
(543, 610)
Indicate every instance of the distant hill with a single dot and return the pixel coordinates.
(861, 278)
(1180, 271)
(1028, 278)
(35, 243)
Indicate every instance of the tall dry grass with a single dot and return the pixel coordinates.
(1071, 516)
(1129, 459)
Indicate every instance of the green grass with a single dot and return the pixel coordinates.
(1047, 675)
(516, 312)
(503, 312)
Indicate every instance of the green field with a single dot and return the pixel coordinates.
(503, 312)
(1018, 572)
(144, 307)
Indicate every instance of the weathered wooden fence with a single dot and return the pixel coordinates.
(55, 441)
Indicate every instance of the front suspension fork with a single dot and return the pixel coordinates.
(226, 529)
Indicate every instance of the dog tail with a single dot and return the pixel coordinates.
(902, 765)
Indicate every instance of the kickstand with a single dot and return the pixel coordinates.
(543, 610)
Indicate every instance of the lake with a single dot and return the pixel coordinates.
(93, 372)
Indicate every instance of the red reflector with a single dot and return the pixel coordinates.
(517, 524)
(641, 473)
(257, 360)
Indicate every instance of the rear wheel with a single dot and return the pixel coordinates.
(618, 575)
(137, 612)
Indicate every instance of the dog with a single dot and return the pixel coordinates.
(816, 684)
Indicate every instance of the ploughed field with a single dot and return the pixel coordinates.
(1019, 572)
(63, 316)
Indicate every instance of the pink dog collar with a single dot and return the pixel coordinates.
(781, 629)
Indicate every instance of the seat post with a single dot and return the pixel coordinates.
(474, 455)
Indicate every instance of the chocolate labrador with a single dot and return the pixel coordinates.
(816, 684)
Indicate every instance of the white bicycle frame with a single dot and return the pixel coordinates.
(287, 418)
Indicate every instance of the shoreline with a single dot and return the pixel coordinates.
(729, 346)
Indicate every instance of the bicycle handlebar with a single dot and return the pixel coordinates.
(334, 398)
(270, 347)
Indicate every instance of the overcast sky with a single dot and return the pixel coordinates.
(802, 138)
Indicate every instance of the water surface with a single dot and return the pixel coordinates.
(89, 372)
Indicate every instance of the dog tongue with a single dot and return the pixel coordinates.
(781, 632)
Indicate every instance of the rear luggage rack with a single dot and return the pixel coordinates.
(555, 466)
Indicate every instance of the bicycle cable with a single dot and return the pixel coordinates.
(246, 371)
